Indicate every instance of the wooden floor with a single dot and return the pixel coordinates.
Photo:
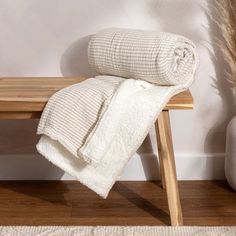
(129, 203)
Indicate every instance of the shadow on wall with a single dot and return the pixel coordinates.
(19, 159)
(216, 135)
(74, 61)
(18, 136)
(149, 159)
(28, 167)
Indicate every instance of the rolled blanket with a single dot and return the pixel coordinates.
(157, 57)
(93, 128)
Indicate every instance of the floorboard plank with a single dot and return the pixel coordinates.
(129, 203)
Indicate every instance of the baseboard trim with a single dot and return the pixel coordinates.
(140, 167)
(200, 166)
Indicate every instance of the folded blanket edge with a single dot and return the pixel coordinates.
(52, 151)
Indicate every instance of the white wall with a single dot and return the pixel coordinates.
(49, 38)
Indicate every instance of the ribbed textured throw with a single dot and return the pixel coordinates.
(71, 114)
(157, 57)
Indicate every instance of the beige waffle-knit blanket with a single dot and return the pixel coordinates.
(92, 129)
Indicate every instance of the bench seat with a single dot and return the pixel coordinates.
(25, 98)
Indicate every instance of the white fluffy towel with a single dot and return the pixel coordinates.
(93, 128)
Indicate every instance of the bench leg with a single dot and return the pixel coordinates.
(167, 167)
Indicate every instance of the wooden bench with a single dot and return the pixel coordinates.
(25, 98)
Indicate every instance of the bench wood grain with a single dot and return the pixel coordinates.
(25, 98)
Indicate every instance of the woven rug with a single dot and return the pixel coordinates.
(115, 231)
